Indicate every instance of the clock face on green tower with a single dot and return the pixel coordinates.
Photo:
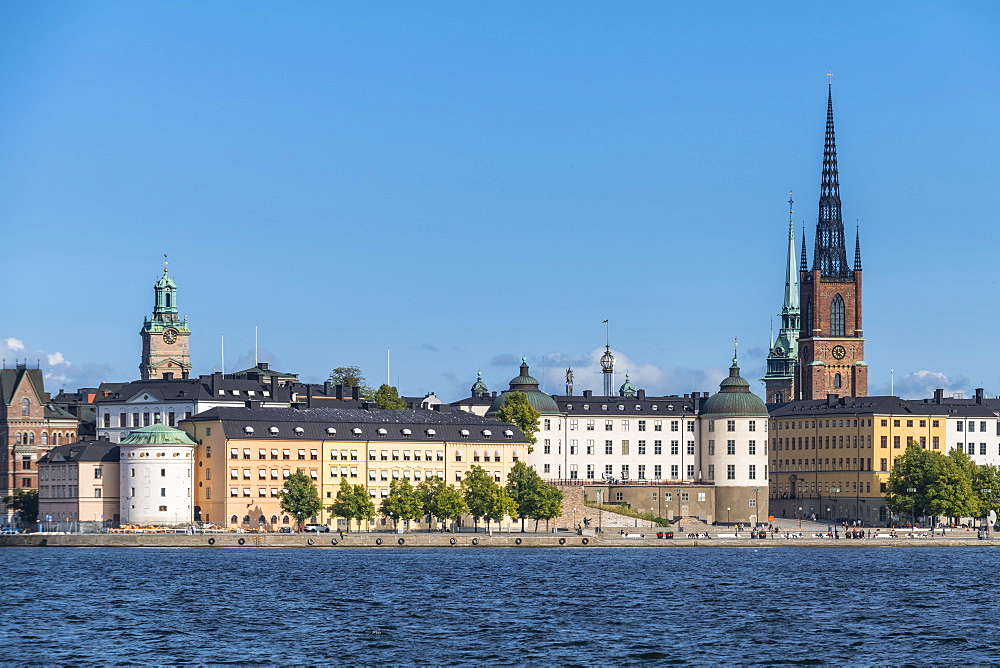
(169, 335)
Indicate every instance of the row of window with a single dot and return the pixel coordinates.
(609, 425)
(731, 425)
(28, 438)
(146, 418)
(382, 432)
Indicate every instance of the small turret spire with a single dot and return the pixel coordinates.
(791, 302)
(857, 248)
(803, 262)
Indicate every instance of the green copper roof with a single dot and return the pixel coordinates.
(540, 401)
(734, 398)
(627, 388)
(157, 434)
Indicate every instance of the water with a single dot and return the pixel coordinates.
(499, 606)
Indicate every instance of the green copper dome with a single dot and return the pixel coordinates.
(540, 401)
(734, 398)
(157, 434)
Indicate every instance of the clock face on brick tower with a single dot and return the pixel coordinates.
(170, 336)
(839, 352)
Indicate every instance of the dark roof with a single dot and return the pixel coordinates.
(82, 451)
(53, 412)
(202, 388)
(11, 378)
(876, 405)
(474, 401)
(644, 405)
(314, 422)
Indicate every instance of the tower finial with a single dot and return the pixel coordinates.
(165, 263)
(736, 345)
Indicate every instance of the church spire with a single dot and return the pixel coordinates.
(803, 263)
(791, 276)
(830, 257)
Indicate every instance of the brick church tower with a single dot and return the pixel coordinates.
(831, 343)
(165, 336)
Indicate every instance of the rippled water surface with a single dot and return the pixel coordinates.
(464, 606)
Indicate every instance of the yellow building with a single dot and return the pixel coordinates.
(244, 455)
(831, 458)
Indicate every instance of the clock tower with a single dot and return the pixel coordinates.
(165, 352)
(831, 343)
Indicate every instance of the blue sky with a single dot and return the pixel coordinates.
(467, 183)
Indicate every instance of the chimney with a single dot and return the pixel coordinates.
(340, 391)
(254, 404)
(640, 394)
(980, 395)
(216, 382)
(588, 393)
(326, 389)
(168, 375)
(262, 365)
(356, 393)
(938, 395)
(831, 400)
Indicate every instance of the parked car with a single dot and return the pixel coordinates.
(286, 530)
(318, 528)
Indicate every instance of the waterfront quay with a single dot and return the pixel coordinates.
(482, 540)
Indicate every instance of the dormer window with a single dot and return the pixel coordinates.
(508, 433)
(251, 393)
(236, 393)
(222, 393)
(273, 430)
(621, 407)
(431, 432)
(356, 431)
(266, 393)
(586, 407)
(604, 407)
(248, 430)
(569, 407)
(487, 433)
(382, 431)
(465, 433)
(655, 407)
(299, 431)
(638, 407)
(331, 431)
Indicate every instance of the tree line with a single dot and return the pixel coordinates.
(525, 496)
(928, 483)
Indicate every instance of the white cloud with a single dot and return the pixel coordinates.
(13, 344)
(58, 372)
(57, 358)
(921, 384)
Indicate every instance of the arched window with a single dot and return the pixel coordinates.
(807, 322)
(45, 438)
(55, 439)
(837, 316)
(25, 407)
(836, 380)
(284, 520)
(246, 519)
(234, 519)
(31, 438)
(779, 397)
(274, 519)
(167, 298)
(19, 437)
(262, 520)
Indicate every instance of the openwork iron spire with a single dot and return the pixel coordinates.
(830, 256)
(857, 248)
(804, 263)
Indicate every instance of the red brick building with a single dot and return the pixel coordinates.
(29, 426)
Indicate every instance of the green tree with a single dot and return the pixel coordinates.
(518, 411)
(479, 491)
(951, 494)
(524, 486)
(350, 376)
(299, 497)
(402, 503)
(353, 503)
(440, 500)
(915, 469)
(500, 505)
(25, 503)
(549, 505)
(987, 477)
(386, 396)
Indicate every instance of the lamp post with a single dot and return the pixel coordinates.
(600, 510)
(798, 516)
(727, 515)
(912, 491)
(833, 491)
(756, 508)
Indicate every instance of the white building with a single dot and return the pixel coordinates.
(156, 468)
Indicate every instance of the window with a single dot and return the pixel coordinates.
(837, 382)
(972, 448)
(753, 447)
(163, 491)
(730, 425)
(234, 453)
(730, 447)
(573, 447)
(657, 472)
(609, 448)
(674, 448)
(609, 425)
(885, 441)
(935, 442)
(590, 471)
(590, 425)
(752, 425)
(753, 472)
(895, 441)
(547, 447)
(572, 425)
(642, 447)
(25, 407)
(590, 446)
(982, 426)
(673, 472)
(731, 472)
(657, 425)
(711, 447)
(982, 448)
(837, 316)
(711, 471)
(642, 425)
(624, 471)
(690, 447)
(546, 424)
(657, 447)
(573, 472)
(960, 425)
(642, 472)
(909, 423)
(98, 473)
(625, 448)
(546, 468)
